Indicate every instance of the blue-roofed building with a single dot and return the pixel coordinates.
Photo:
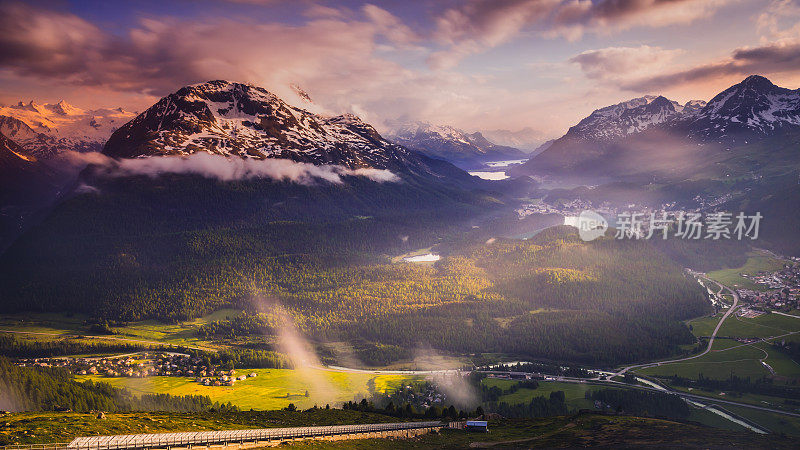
(477, 425)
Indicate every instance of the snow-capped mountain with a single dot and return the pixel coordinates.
(591, 137)
(241, 120)
(48, 129)
(745, 111)
(632, 116)
(451, 144)
(647, 132)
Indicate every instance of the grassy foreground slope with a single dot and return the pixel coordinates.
(44, 427)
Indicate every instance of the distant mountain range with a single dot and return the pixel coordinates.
(452, 144)
(738, 152)
(750, 110)
(653, 135)
(244, 126)
(49, 129)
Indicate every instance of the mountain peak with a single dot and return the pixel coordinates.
(753, 106)
(757, 82)
(662, 102)
(65, 109)
(241, 120)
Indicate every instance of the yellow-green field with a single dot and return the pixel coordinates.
(271, 389)
(756, 262)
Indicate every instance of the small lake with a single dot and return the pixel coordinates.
(429, 257)
(495, 176)
(494, 170)
(506, 163)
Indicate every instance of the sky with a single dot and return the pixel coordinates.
(479, 65)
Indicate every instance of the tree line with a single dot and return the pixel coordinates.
(47, 389)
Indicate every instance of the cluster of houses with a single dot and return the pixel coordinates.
(143, 365)
(126, 366)
(571, 207)
(222, 378)
(783, 293)
(418, 396)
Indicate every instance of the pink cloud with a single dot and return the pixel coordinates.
(613, 64)
(478, 25)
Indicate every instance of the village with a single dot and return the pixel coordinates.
(565, 208)
(142, 365)
(783, 292)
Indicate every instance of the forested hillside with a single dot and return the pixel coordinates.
(148, 248)
(553, 296)
(174, 248)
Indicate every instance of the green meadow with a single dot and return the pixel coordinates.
(573, 392)
(730, 357)
(756, 262)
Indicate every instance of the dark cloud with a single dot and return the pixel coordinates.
(47, 42)
(777, 57)
(159, 53)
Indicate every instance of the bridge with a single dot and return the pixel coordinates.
(236, 438)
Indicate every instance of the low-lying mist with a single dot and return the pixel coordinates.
(227, 168)
(452, 382)
(299, 351)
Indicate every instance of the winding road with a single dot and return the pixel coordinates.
(710, 340)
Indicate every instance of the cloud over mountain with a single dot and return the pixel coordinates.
(230, 169)
(396, 60)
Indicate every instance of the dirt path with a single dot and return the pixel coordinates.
(521, 441)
